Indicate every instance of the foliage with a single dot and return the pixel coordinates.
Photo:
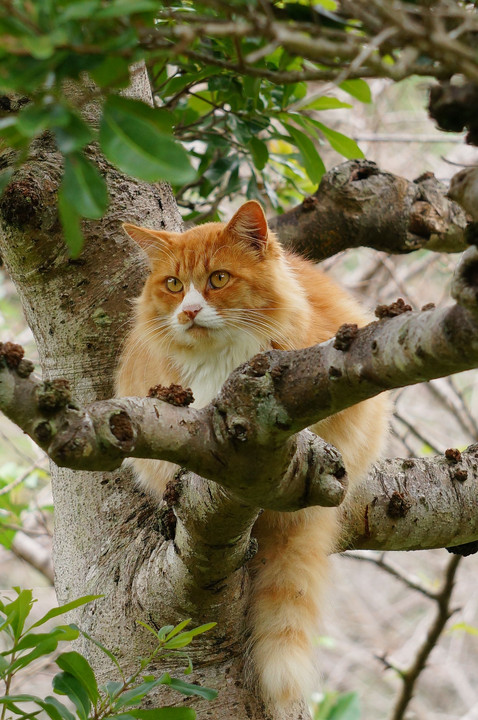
(76, 679)
(236, 133)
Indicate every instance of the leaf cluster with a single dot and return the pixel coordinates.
(76, 679)
(214, 132)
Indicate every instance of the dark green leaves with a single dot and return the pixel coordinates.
(188, 688)
(83, 187)
(77, 666)
(77, 681)
(82, 193)
(136, 138)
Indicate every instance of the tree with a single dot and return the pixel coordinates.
(146, 564)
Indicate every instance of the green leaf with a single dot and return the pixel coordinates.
(135, 138)
(325, 103)
(31, 640)
(113, 72)
(18, 610)
(126, 7)
(83, 187)
(46, 646)
(135, 695)
(79, 667)
(73, 134)
(70, 222)
(313, 163)
(111, 688)
(465, 627)
(179, 640)
(171, 630)
(33, 120)
(51, 704)
(164, 713)
(3, 666)
(188, 688)
(260, 153)
(358, 88)
(55, 709)
(9, 131)
(347, 707)
(65, 684)
(54, 612)
(343, 144)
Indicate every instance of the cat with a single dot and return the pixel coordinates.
(217, 295)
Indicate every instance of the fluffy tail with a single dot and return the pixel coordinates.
(290, 574)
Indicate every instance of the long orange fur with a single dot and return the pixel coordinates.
(271, 299)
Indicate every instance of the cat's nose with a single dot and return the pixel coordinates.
(191, 311)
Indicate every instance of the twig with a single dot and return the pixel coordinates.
(408, 580)
(411, 675)
(417, 433)
(6, 489)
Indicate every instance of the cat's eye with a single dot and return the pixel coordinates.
(174, 285)
(219, 278)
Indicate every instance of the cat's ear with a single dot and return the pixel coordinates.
(152, 241)
(249, 225)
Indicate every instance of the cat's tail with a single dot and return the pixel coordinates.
(290, 573)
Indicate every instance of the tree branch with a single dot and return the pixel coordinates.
(245, 439)
(347, 210)
(414, 504)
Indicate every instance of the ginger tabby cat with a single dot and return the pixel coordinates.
(217, 295)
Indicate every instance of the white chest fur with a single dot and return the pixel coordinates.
(206, 370)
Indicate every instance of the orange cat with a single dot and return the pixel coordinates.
(217, 295)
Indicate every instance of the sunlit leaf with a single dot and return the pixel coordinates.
(341, 143)
(358, 88)
(313, 163)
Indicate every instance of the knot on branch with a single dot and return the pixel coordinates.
(453, 455)
(11, 355)
(396, 308)
(464, 287)
(21, 203)
(53, 395)
(174, 395)
(398, 506)
(345, 336)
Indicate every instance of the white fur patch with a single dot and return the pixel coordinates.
(205, 363)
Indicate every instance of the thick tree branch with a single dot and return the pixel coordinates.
(415, 504)
(245, 439)
(357, 204)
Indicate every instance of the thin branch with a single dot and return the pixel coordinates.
(410, 581)
(443, 613)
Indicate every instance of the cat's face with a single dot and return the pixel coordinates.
(213, 284)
